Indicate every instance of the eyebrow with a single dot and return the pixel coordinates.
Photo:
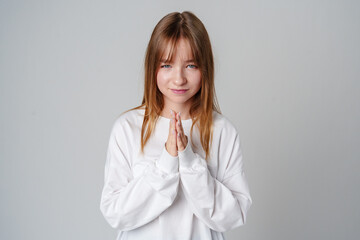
(166, 61)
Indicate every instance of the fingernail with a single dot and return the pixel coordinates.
(178, 134)
(173, 131)
(179, 114)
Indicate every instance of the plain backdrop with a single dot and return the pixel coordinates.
(287, 75)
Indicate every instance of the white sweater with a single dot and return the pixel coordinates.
(158, 196)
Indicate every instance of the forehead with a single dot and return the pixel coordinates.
(180, 49)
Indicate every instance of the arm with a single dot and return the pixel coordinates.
(128, 202)
(222, 206)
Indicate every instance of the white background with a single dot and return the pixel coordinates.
(287, 75)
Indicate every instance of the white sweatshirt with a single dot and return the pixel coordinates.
(158, 196)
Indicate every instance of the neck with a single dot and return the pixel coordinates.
(183, 109)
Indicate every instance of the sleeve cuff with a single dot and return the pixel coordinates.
(168, 163)
(187, 157)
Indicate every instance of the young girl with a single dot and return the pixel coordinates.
(174, 167)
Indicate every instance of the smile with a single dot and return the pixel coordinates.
(179, 91)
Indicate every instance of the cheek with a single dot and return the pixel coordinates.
(160, 80)
(197, 79)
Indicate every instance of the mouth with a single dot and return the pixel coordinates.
(179, 91)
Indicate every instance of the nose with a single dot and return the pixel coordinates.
(180, 77)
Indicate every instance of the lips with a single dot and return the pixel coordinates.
(179, 91)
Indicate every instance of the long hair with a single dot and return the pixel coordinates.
(169, 30)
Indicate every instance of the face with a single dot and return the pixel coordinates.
(180, 79)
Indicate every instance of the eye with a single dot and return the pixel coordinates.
(192, 66)
(165, 66)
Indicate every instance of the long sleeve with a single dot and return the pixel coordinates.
(222, 206)
(128, 201)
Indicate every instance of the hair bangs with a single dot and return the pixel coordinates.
(167, 49)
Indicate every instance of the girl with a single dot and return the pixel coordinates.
(160, 183)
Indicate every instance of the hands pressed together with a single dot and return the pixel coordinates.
(177, 140)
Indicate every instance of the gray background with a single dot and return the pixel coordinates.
(287, 75)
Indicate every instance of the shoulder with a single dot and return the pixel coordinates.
(130, 119)
(225, 133)
(223, 125)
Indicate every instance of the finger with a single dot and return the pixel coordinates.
(173, 130)
(181, 129)
(178, 123)
(170, 123)
(173, 121)
(181, 138)
(180, 144)
(171, 142)
(178, 126)
(182, 141)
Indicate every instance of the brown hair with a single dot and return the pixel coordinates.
(169, 30)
